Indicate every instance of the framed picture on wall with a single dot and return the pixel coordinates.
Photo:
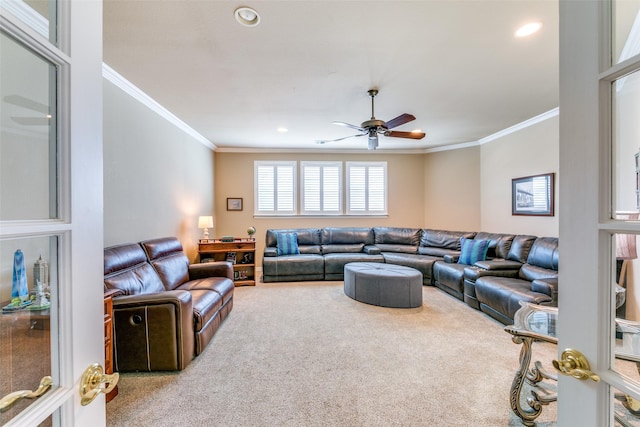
(533, 195)
(234, 203)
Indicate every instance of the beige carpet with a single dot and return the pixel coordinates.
(304, 354)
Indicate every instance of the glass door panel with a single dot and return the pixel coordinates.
(28, 320)
(626, 143)
(626, 30)
(40, 15)
(28, 144)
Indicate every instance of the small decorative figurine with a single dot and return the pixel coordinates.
(19, 288)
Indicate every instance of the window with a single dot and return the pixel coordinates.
(366, 188)
(275, 188)
(321, 188)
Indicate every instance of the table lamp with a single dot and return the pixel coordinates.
(205, 222)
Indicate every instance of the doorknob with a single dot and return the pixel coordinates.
(573, 364)
(91, 381)
(11, 398)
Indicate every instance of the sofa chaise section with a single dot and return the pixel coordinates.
(448, 274)
(536, 281)
(497, 267)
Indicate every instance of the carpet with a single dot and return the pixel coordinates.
(304, 354)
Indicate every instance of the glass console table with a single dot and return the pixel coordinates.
(538, 323)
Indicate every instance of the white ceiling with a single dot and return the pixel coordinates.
(454, 64)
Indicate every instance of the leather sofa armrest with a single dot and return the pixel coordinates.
(271, 252)
(181, 299)
(211, 269)
(451, 259)
(498, 264)
(371, 250)
(547, 286)
(474, 272)
(154, 331)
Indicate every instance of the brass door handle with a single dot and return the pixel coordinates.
(11, 398)
(91, 381)
(574, 364)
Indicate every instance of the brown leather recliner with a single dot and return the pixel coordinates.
(168, 310)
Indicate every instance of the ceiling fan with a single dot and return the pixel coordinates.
(373, 127)
(42, 119)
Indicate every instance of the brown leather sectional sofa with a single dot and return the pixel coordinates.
(516, 268)
(167, 311)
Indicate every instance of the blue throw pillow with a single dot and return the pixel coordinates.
(472, 251)
(287, 243)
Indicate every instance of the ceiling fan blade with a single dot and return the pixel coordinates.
(31, 121)
(358, 128)
(399, 134)
(400, 120)
(324, 141)
(21, 101)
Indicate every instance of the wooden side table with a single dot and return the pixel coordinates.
(240, 252)
(108, 337)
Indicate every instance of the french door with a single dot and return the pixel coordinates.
(51, 324)
(599, 205)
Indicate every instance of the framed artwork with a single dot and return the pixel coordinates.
(533, 195)
(234, 203)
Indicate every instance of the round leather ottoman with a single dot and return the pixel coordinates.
(385, 285)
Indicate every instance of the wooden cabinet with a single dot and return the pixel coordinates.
(240, 252)
(108, 337)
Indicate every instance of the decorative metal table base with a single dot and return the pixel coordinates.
(531, 375)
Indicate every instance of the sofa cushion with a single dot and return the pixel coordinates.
(306, 236)
(520, 247)
(396, 236)
(439, 252)
(221, 285)
(502, 296)
(531, 272)
(206, 305)
(346, 236)
(544, 253)
(168, 259)
(294, 265)
(472, 251)
(287, 243)
(126, 268)
(353, 248)
(499, 244)
(444, 239)
(142, 279)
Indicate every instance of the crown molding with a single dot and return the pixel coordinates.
(111, 75)
(500, 134)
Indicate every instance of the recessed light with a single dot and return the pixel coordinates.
(282, 130)
(247, 16)
(416, 131)
(528, 29)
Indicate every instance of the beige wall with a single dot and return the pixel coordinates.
(530, 151)
(157, 179)
(452, 189)
(234, 178)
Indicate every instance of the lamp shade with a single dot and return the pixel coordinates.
(205, 222)
(626, 243)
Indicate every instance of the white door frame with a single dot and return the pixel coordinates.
(77, 333)
(585, 294)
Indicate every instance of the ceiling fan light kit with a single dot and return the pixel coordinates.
(373, 127)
